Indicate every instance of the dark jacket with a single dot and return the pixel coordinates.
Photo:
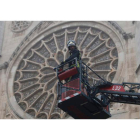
(74, 53)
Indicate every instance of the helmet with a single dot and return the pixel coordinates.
(71, 43)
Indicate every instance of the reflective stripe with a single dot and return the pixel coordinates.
(59, 101)
(67, 97)
(69, 78)
(78, 65)
(76, 94)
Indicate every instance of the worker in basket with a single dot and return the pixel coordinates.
(74, 53)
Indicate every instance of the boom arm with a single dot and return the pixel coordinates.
(117, 93)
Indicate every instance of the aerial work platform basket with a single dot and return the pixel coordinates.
(80, 106)
(73, 96)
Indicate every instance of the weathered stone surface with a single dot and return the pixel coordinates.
(2, 24)
(45, 102)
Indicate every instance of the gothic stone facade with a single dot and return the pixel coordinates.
(30, 50)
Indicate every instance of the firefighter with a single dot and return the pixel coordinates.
(74, 53)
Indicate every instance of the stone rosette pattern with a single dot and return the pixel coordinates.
(18, 26)
(35, 81)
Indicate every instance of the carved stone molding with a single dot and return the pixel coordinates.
(125, 35)
(4, 65)
(19, 26)
(8, 114)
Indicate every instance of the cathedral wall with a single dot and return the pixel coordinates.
(126, 110)
(2, 25)
(11, 40)
(137, 42)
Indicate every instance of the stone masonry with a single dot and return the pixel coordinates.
(27, 56)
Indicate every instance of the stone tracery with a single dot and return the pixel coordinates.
(18, 26)
(35, 80)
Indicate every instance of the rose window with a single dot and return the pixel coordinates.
(35, 81)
